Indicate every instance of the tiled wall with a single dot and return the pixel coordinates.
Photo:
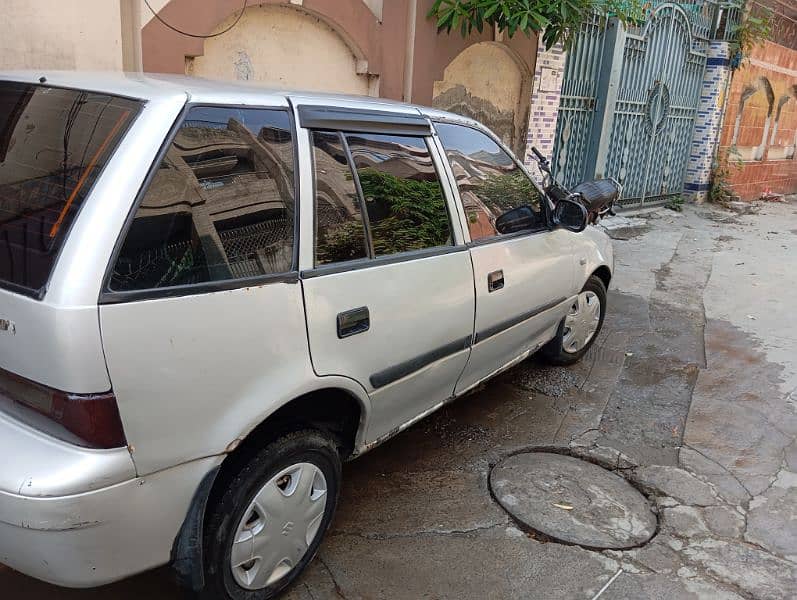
(544, 111)
(767, 80)
(707, 121)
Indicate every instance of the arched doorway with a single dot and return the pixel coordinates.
(283, 47)
(490, 83)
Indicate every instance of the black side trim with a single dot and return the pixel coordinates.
(365, 263)
(394, 373)
(366, 121)
(496, 329)
(197, 288)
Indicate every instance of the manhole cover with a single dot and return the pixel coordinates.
(572, 501)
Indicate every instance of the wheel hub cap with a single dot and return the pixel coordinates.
(581, 322)
(279, 526)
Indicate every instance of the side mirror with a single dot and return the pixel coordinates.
(517, 219)
(571, 215)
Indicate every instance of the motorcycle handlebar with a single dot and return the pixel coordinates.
(539, 155)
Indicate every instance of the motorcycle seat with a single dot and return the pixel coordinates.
(597, 193)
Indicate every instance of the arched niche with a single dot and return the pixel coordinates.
(283, 46)
(489, 82)
(766, 88)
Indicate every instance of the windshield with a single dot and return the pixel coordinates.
(53, 145)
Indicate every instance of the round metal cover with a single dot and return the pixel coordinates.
(572, 501)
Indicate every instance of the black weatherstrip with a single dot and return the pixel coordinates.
(504, 325)
(365, 121)
(391, 374)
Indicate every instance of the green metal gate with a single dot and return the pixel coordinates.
(629, 101)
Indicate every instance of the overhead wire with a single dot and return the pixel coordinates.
(195, 35)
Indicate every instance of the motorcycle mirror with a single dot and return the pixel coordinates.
(570, 215)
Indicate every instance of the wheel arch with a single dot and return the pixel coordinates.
(335, 409)
(604, 274)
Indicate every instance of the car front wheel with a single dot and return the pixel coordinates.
(578, 330)
(267, 523)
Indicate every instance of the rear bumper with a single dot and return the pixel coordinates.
(52, 531)
(98, 537)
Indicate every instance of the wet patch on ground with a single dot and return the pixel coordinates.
(627, 233)
(551, 381)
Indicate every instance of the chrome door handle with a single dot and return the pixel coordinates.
(354, 321)
(495, 281)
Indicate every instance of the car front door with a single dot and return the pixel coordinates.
(389, 295)
(523, 268)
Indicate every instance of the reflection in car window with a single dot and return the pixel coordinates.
(490, 183)
(221, 205)
(340, 234)
(403, 197)
(54, 144)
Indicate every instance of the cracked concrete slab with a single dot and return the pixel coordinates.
(676, 483)
(493, 564)
(659, 587)
(752, 570)
(412, 503)
(685, 521)
(772, 517)
(724, 521)
(739, 418)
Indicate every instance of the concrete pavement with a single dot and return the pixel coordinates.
(689, 393)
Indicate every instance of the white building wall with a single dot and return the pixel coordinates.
(61, 34)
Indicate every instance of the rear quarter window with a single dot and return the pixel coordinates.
(54, 143)
(220, 206)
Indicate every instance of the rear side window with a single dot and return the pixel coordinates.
(490, 183)
(403, 197)
(340, 234)
(54, 144)
(221, 205)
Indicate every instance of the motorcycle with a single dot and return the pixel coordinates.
(597, 196)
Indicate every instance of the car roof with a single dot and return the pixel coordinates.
(148, 86)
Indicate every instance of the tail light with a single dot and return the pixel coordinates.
(90, 420)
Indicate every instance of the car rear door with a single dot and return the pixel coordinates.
(389, 289)
(201, 316)
(524, 273)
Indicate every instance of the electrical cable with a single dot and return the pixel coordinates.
(194, 35)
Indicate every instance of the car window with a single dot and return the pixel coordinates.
(220, 206)
(54, 144)
(340, 234)
(403, 197)
(490, 182)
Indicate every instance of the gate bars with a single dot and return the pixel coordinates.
(630, 98)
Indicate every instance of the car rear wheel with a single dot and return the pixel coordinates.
(581, 325)
(268, 522)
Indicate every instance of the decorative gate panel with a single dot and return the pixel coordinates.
(577, 103)
(631, 114)
(656, 106)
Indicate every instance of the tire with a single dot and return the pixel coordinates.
(300, 456)
(558, 351)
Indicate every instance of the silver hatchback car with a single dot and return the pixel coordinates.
(212, 294)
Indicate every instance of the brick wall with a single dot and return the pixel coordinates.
(760, 125)
(544, 110)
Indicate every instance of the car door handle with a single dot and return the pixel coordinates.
(495, 281)
(354, 321)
